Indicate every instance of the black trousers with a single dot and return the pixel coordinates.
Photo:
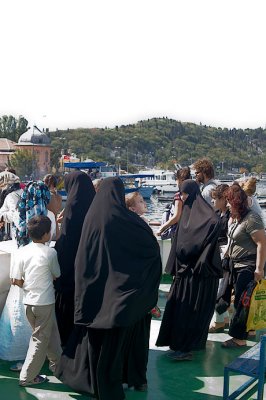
(242, 276)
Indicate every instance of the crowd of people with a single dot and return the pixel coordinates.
(87, 303)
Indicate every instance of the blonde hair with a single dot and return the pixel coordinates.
(130, 199)
(97, 183)
(249, 186)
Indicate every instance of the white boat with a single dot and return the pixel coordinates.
(262, 178)
(163, 180)
(136, 182)
(262, 200)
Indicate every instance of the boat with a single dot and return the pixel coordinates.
(163, 180)
(165, 199)
(199, 379)
(96, 169)
(262, 200)
(137, 182)
(132, 182)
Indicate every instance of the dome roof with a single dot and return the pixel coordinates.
(35, 137)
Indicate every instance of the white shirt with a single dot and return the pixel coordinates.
(206, 190)
(37, 265)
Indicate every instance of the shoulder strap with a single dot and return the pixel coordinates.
(231, 238)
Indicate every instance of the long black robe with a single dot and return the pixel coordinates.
(80, 192)
(195, 263)
(118, 269)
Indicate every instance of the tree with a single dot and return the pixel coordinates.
(24, 162)
(55, 158)
(165, 139)
(12, 128)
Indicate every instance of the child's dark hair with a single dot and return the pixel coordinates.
(49, 180)
(38, 226)
(183, 174)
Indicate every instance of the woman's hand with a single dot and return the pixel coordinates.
(258, 275)
(59, 219)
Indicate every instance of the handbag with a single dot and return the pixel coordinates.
(257, 310)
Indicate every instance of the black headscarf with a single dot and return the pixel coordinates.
(197, 229)
(118, 264)
(80, 193)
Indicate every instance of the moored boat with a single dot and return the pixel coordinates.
(262, 200)
(137, 182)
(163, 180)
(132, 182)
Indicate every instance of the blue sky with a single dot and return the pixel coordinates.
(86, 63)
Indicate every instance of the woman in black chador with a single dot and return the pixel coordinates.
(117, 275)
(195, 264)
(80, 193)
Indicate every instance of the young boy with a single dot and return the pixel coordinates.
(34, 267)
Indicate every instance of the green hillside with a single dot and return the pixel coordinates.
(164, 142)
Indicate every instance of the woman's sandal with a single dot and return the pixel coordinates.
(231, 344)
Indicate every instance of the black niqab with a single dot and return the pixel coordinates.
(118, 264)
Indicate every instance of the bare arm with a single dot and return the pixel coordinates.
(174, 219)
(17, 282)
(260, 239)
(60, 216)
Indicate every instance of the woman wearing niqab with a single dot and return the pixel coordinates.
(194, 262)
(117, 275)
(80, 193)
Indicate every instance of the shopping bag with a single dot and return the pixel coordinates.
(257, 310)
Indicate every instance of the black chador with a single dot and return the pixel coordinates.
(80, 193)
(117, 275)
(195, 264)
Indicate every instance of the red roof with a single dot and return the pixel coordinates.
(7, 145)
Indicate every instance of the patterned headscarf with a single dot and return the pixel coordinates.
(33, 201)
(7, 179)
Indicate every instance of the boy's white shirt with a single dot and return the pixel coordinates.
(37, 265)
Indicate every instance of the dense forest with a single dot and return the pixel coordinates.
(165, 142)
(160, 142)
